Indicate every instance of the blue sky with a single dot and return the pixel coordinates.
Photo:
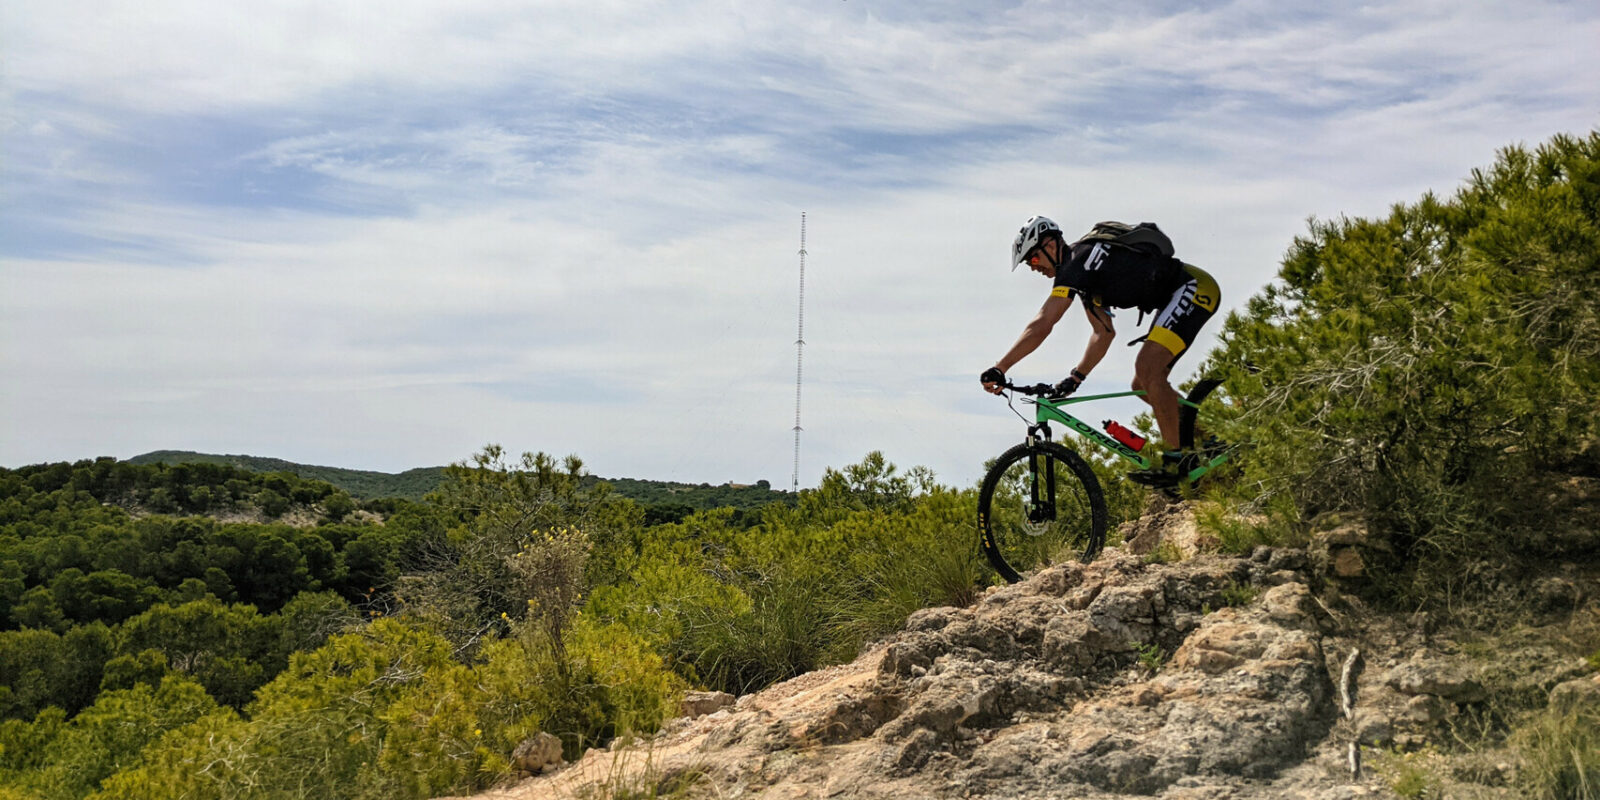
(382, 236)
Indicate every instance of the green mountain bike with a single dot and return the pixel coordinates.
(1041, 503)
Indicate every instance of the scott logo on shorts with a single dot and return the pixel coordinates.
(1185, 304)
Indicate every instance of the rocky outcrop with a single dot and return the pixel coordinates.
(1213, 677)
(1167, 522)
(1115, 678)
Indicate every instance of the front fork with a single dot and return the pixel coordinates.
(1041, 511)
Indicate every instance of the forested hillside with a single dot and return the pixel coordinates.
(663, 500)
(521, 597)
(413, 484)
(203, 631)
(101, 562)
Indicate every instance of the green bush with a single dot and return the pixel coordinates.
(1427, 368)
(388, 713)
(924, 556)
(56, 759)
(522, 533)
(738, 607)
(1561, 755)
(230, 649)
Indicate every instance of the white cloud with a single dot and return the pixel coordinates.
(586, 214)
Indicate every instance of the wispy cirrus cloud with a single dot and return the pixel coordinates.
(319, 232)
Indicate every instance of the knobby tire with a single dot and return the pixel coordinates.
(1079, 528)
(1187, 413)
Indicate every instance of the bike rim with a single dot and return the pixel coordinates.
(1039, 512)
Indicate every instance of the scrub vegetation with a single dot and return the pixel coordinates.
(201, 630)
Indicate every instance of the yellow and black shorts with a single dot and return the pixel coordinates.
(1186, 313)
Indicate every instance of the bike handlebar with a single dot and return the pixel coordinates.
(1036, 390)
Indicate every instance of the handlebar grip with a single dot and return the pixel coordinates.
(1036, 390)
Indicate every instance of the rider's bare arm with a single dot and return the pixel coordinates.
(1100, 337)
(1036, 331)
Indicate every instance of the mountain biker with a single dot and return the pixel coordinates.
(1108, 276)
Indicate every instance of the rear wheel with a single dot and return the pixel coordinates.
(1190, 412)
(1040, 504)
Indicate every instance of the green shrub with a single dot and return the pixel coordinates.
(1237, 594)
(780, 631)
(1240, 533)
(69, 759)
(738, 607)
(1423, 369)
(386, 712)
(524, 533)
(1164, 553)
(1407, 774)
(185, 763)
(1560, 754)
(1152, 657)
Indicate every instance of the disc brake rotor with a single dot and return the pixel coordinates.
(1032, 528)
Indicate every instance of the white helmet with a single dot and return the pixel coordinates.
(1032, 233)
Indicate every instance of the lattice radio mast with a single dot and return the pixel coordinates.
(799, 354)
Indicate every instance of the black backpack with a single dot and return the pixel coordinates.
(1145, 237)
(1142, 271)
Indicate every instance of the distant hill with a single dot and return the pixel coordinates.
(363, 484)
(413, 484)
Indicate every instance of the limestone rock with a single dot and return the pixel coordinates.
(1579, 694)
(1168, 522)
(1421, 675)
(537, 754)
(1342, 547)
(1348, 563)
(699, 704)
(1098, 681)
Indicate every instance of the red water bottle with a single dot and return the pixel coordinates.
(1132, 440)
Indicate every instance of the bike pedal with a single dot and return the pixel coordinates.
(1155, 479)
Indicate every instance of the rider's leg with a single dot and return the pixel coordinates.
(1150, 374)
(1174, 330)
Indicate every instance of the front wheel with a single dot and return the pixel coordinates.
(1040, 504)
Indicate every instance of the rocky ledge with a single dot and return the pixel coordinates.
(1205, 678)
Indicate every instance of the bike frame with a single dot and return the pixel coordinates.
(1048, 410)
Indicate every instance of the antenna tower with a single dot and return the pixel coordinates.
(799, 354)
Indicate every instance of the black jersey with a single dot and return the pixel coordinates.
(1119, 277)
